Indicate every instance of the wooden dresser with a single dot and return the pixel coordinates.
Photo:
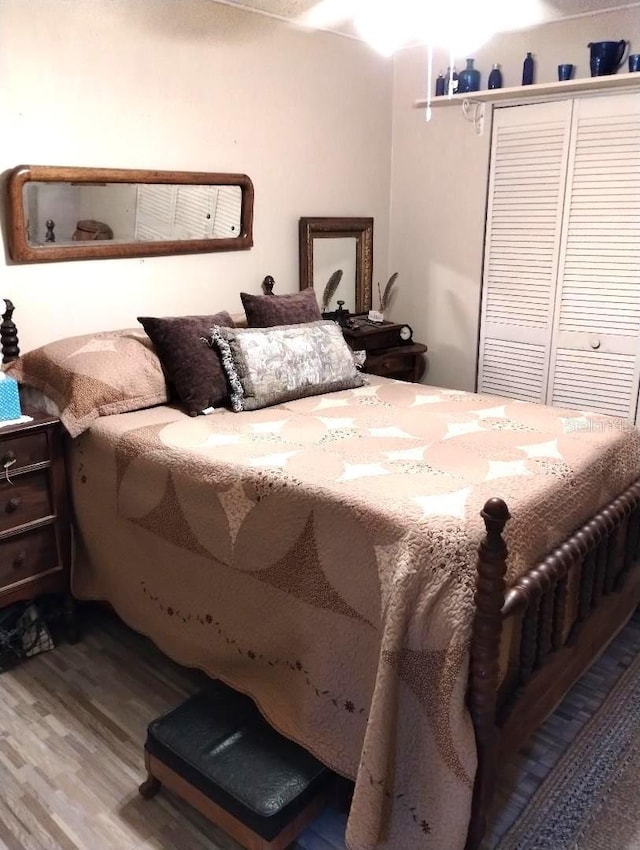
(35, 531)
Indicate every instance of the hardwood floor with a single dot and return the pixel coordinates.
(72, 726)
(73, 722)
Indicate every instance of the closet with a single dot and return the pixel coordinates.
(560, 321)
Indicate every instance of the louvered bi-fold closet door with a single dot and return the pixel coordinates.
(595, 358)
(529, 155)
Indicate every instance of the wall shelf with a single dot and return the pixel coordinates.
(538, 91)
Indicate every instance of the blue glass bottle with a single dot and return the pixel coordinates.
(495, 78)
(527, 70)
(440, 85)
(451, 81)
(469, 79)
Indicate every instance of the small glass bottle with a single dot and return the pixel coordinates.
(451, 81)
(495, 78)
(440, 87)
(527, 70)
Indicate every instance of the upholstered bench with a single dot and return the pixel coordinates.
(217, 753)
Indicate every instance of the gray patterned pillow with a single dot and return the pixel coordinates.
(269, 365)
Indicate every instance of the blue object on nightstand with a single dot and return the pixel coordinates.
(9, 398)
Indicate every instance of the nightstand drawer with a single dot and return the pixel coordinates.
(27, 555)
(404, 362)
(24, 500)
(390, 364)
(23, 451)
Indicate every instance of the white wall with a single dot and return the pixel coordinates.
(188, 85)
(439, 185)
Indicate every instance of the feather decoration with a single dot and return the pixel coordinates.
(385, 297)
(330, 289)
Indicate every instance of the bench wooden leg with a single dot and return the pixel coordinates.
(149, 787)
(234, 827)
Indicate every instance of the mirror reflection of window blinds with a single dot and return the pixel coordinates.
(187, 212)
(227, 215)
(155, 204)
(193, 214)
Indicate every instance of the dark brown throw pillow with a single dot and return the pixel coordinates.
(267, 311)
(192, 367)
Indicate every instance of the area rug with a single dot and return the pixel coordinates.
(591, 799)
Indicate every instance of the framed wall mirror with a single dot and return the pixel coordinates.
(328, 244)
(62, 213)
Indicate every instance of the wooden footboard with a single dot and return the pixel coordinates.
(532, 641)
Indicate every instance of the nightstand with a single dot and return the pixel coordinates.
(391, 352)
(35, 531)
(405, 362)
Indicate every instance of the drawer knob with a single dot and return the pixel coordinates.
(13, 504)
(19, 560)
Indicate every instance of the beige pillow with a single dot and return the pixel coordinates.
(94, 375)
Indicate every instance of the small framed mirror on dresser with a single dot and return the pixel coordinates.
(64, 213)
(327, 245)
(341, 250)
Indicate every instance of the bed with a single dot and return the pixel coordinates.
(405, 578)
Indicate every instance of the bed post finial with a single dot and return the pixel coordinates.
(485, 668)
(9, 334)
(495, 511)
(267, 284)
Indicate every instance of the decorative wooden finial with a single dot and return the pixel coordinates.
(9, 334)
(267, 284)
(495, 514)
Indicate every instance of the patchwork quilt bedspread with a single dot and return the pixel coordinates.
(320, 556)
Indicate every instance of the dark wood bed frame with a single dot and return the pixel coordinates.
(549, 626)
(595, 575)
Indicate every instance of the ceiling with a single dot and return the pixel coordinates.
(290, 10)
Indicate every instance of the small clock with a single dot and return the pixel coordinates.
(405, 333)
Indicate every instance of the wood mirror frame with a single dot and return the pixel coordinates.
(339, 228)
(22, 250)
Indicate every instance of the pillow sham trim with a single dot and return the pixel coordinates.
(236, 395)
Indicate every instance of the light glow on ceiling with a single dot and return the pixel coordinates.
(459, 27)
